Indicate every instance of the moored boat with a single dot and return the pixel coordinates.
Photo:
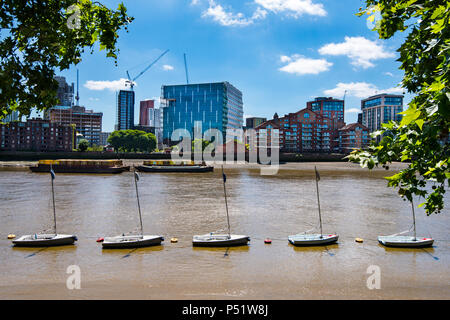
(312, 239)
(80, 166)
(174, 166)
(308, 239)
(396, 240)
(220, 240)
(133, 241)
(405, 241)
(44, 240)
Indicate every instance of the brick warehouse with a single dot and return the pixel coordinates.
(36, 135)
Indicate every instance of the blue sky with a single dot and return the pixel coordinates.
(279, 53)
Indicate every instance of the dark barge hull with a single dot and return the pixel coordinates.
(65, 169)
(175, 169)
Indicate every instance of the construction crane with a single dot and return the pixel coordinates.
(131, 82)
(186, 69)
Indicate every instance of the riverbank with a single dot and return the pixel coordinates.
(8, 156)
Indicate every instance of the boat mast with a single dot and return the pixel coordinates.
(414, 219)
(318, 200)
(136, 178)
(226, 203)
(52, 174)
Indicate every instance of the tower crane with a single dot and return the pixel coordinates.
(131, 82)
(186, 69)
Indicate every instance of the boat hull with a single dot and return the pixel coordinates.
(73, 169)
(175, 168)
(220, 240)
(44, 240)
(313, 239)
(405, 241)
(123, 242)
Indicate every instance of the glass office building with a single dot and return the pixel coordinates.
(125, 110)
(380, 109)
(216, 105)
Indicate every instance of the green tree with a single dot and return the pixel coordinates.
(83, 145)
(421, 139)
(132, 141)
(39, 37)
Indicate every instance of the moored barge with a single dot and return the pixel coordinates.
(174, 166)
(80, 166)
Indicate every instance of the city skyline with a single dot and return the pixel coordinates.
(279, 60)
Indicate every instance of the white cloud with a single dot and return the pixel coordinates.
(225, 18)
(109, 85)
(360, 50)
(360, 90)
(295, 8)
(195, 2)
(167, 67)
(300, 65)
(353, 110)
(389, 74)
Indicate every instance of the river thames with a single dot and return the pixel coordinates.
(354, 202)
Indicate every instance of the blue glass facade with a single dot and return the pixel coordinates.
(381, 109)
(216, 105)
(125, 110)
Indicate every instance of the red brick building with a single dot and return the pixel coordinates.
(303, 131)
(353, 136)
(36, 135)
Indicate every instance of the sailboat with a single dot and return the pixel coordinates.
(46, 240)
(132, 241)
(304, 239)
(221, 240)
(406, 241)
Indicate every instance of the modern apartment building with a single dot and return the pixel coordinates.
(125, 110)
(37, 135)
(65, 92)
(353, 136)
(216, 105)
(330, 108)
(381, 108)
(87, 122)
(146, 107)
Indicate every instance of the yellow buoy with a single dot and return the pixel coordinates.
(174, 240)
(359, 240)
(11, 236)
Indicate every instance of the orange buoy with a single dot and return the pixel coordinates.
(174, 240)
(100, 239)
(359, 240)
(267, 241)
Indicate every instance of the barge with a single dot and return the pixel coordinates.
(174, 166)
(80, 166)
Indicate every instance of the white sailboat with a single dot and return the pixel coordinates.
(221, 240)
(133, 241)
(46, 240)
(304, 239)
(406, 241)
